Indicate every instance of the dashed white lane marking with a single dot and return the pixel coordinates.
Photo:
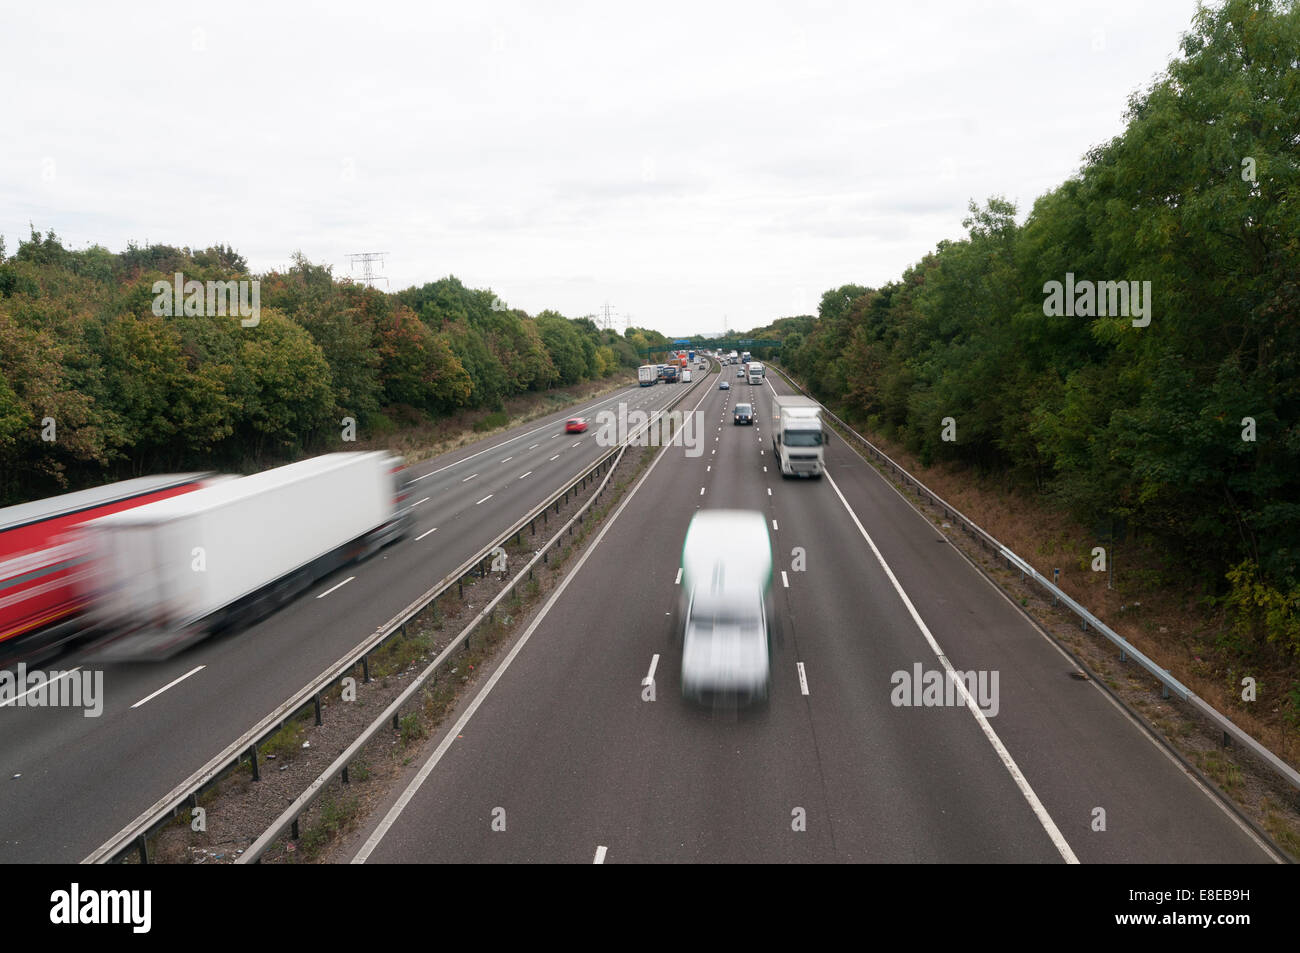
(556, 457)
(468, 478)
(774, 526)
(803, 680)
(339, 586)
(679, 576)
(54, 681)
(486, 498)
(534, 446)
(769, 491)
(507, 459)
(785, 580)
(418, 502)
(701, 491)
(600, 855)
(171, 684)
(426, 533)
(529, 473)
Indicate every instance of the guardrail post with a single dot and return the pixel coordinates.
(293, 833)
(532, 527)
(460, 587)
(316, 702)
(1164, 689)
(345, 775)
(144, 849)
(1083, 623)
(252, 753)
(1056, 576)
(365, 669)
(396, 725)
(1123, 656)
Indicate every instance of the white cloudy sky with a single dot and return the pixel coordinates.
(687, 163)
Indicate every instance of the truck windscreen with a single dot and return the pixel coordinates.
(803, 438)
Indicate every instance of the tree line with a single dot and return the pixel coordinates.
(95, 385)
(1183, 429)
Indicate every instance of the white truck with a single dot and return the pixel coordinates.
(798, 437)
(647, 375)
(754, 371)
(726, 616)
(168, 574)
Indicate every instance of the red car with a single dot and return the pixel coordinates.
(575, 425)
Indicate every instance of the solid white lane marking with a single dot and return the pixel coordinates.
(1040, 812)
(803, 680)
(521, 436)
(785, 580)
(174, 682)
(529, 473)
(486, 498)
(55, 681)
(600, 855)
(679, 576)
(426, 533)
(422, 775)
(339, 586)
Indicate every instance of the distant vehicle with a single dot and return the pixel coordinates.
(686, 375)
(745, 358)
(724, 385)
(42, 564)
(263, 539)
(725, 612)
(740, 372)
(671, 375)
(691, 356)
(575, 425)
(743, 414)
(647, 375)
(755, 372)
(661, 370)
(798, 437)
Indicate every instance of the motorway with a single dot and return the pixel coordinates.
(72, 782)
(558, 757)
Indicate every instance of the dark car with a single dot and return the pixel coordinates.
(743, 414)
(575, 425)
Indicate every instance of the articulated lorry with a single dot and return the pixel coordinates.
(42, 566)
(647, 375)
(798, 437)
(754, 372)
(168, 574)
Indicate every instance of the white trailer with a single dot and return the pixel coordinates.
(169, 573)
(647, 375)
(798, 437)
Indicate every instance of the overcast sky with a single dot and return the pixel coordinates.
(686, 163)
